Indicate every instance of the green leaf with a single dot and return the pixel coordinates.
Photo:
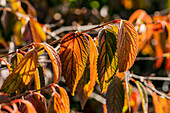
(87, 82)
(107, 60)
(115, 96)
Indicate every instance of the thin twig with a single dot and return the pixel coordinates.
(155, 90)
(141, 78)
(23, 94)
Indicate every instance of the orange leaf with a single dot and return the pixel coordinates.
(142, 17)
(73, 54)
(16, 6)
(65, 99)
(37, 32)
(56, 104)
(87, 82)
(167, 65)
(107, 60)
(22, 73)
(29, 106)
(158, 49)
(127, 45)
(55, 59)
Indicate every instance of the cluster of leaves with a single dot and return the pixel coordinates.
(81, 60)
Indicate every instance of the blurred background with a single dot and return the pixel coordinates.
(58, 13)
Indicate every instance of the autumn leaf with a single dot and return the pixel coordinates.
(55, 60)
(15, 60)
(73, 54)
(29, 106)
(143, 94)
(115, 96)
(59, 103)
(87, 82)
(158, 49)
(36, 102)
(37, 32)
(140, 17)
(107, 60)
(22, 73)
(65, 98)
(127, 45)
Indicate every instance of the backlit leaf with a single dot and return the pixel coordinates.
(141, 17)
(73, 54)
(158, 48)
(55, 60)
(167, 65)
(107, 60)
(37, 32)
(56, 104)
(144, 96)
(127, 45)
(115, 96)
(15, 60)
(87, 82)
(22, 73)
(65, 99)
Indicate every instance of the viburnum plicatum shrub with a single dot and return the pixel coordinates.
(82, 62)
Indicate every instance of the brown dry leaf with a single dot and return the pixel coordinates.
(127, 45)
(22, 73)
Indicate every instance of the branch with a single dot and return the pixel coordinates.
(167, 55)
(23, 94)
(142, 78)
(155, 90)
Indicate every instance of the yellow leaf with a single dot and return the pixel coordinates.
(22, 73)
(37, 32)
(127, 45)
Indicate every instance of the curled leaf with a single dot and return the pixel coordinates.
(107, 60)
(55, 60)
(127, 45)
(73, 53)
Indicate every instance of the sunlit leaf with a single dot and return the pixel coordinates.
(37, 32)
(167, 65)
(140, 17)
(22, 73)
(16, 6)
(65, 99)
(127, 45)
(29, 106)
(55, 60)
(15, 60)
(88, 80)
(36, 102)
(107, 60)
(73, 54)
(115, 96)
(144, 96)
(158, 48)
(56, 104)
